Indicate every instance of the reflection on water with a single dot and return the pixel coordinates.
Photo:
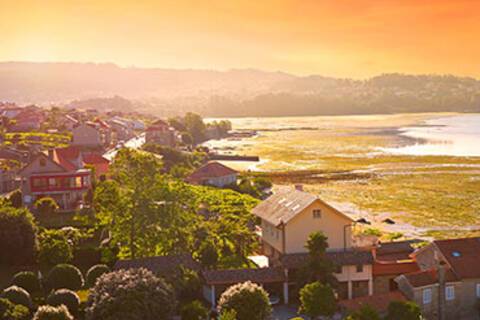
(450, 136)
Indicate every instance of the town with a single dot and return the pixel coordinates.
(120, 215)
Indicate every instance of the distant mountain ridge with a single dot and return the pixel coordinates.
(237, 92)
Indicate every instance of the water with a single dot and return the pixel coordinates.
(448, 136)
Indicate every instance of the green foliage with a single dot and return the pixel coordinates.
(11, 311)
(317, 299)
(64, 276)
(45, 140)
(208, 254)
(18, 243)
(27, 280)
(228, 315)
(54, 248)
(187, 285)
(194, 310)
(17, 295)
(52, 313)
(16, 199)
(46, 206)
(248, 300)
(64, 297)
(403, 310)
(94, 273)
(172, 157)
(372, 232)
(364, 313)
(195, 126)
(318, 267)
(135, 294)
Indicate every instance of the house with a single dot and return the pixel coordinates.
(377, 301)
(448, 282)
(81, 158)
(213, 174)
(289, 216)
(27, 121)
(50, 175)
(69, 122)
(392, 259)
(160, 133)
(91, 135)
(122, 129)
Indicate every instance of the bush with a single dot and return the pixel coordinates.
(317, 299)
(52, 313)
(194, 311)
(249, 300)
(27, 280)
(18, 240)
(46, 206)
(17, 295)
(364, 313)
(54, 248)
(10, 311)
(135, 294)
(64, 276)
(94, 273)
(66, 297)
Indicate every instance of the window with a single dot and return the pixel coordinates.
(359, 267)
(427, 296)
(317, 214)
(478, 290)
(449, 293)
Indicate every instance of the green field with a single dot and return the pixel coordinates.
(340, 159)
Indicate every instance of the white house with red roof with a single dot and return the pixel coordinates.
(214, 174)
(62, 175)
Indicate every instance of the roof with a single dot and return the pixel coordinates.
(428, 277)
(377, 301)
(394, 268)
(212, 169)
(262, 275)
(342, 258)
(285, 204)
(71, 158)
(395, 251)
(159, 264)
(463, 255)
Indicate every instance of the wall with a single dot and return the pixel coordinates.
(331, 224)
(85, 135)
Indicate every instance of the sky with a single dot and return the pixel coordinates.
(342, 38)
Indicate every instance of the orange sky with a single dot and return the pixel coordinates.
(347, 38)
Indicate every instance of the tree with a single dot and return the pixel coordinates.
(94, 273)
(130, 294)
(187, 285)
(27, 280)
(317, 299)
(16, 199)
(403, 310)
(18, 240)
(46, 206)
(11, 311)
(318, 266)
(17, 295)
(195, 126)
(54, 248)
(248, 300)
(52, 313)
(364, 313)
(194, 311)
(65, 276)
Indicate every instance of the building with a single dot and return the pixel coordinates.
(8, 180)
(68, 122)
(80, 159)
(160, 133)
(123, 131)
(27, 121)
(90, 135)
(448, 283)
(289, 217)
(213, 174)
(49, 175)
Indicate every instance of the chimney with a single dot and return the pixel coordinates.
(299, 187)
(50, 154)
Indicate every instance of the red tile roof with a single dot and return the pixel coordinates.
(66, 157)
(428, 277)
(378, 302)
(210, 170)
(261, 275)
(394, 268)
(463, 255)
